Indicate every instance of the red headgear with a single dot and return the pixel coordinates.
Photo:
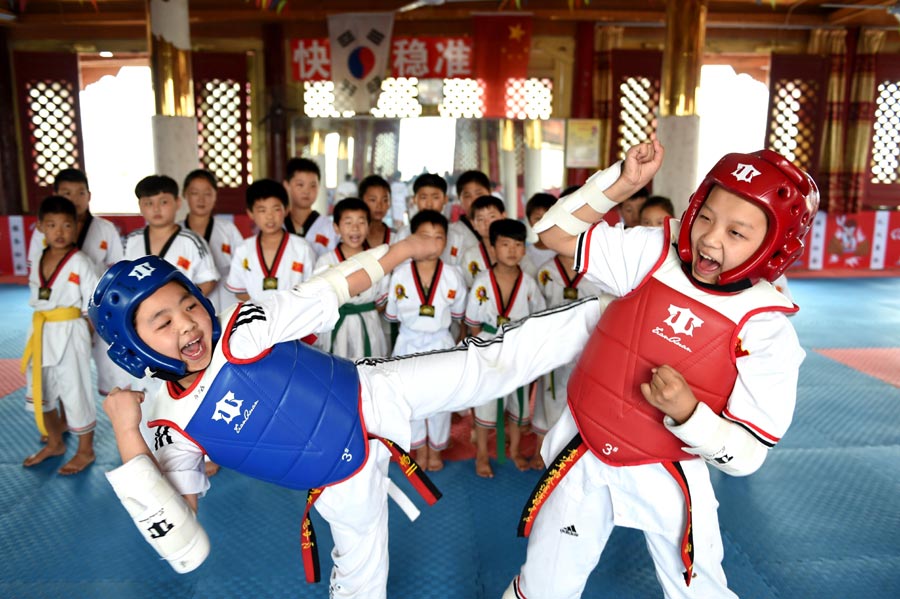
(787, 195)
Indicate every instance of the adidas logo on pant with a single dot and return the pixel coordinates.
(569, 530)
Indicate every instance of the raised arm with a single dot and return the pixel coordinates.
(567, 219)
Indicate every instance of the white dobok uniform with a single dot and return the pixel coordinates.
(223, 238)
(294, 263)
(65, 369)
(424, 317)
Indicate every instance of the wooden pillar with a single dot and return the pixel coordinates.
(679, 126)
(583, 91)
(175, 149)
(276, 90)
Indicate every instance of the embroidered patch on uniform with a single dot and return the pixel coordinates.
(544, 277)
(74, 278)
(399, 291)
(104, 245)
(183, 263)
(297, 266)
(246, 264)
(451, 294)
(321, 239)
(454, 251)
(481, 294)
(739, 351)
(473, 268)
(226, 249)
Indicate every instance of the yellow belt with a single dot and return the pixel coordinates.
(33, 353)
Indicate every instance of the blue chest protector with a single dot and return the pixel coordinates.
(290, 417)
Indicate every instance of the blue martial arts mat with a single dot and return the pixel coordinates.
(819, 520)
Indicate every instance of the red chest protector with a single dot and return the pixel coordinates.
(665, 320)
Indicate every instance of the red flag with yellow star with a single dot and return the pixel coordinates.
(502, 46)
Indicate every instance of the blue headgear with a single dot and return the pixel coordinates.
(116, 298)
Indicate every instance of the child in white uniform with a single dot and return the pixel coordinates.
(272, 259)
(358, 333)
(61, 283)
(694, 365)
(500, 295)
(301, 180)
(425, 296)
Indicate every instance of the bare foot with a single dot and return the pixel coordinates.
(211, 469)
(78, 463)
(45, 453)
(537, 462)
(483, 467)
(520, 462)
(435, 462)
(44, 439)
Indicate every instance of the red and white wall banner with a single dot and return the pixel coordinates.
(425, 57)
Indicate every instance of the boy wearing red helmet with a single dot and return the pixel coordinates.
(695, 364)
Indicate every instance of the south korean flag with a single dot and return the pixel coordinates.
(360, 54)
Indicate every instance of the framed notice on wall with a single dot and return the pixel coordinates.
(582, 143)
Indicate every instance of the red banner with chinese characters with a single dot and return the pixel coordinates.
(502, 48)
(422, 57)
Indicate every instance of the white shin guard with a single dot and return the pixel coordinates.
(164, 518)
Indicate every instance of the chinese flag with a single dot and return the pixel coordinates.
(502, 46)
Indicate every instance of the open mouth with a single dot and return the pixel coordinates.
(193, 350)
(706, 265)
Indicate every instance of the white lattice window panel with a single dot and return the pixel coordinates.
(529, 98)
(51, 122)
(220, 125)
(886, 136)
(791, 123)
(639, 98)
(384, 158)
(318, 100)
(463, 99)
(399, 98)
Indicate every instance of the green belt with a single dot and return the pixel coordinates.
(347, 309)
(501, 423)
(489, 328)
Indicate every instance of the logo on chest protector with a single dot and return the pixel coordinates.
(682, 322)
(228, 408)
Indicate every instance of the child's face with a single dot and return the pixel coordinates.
(726, 233)
(509, 252)
(303, 189)
(654, 216)
(268, 215)
(353, 227)
(536, 215)
(201, 197)
(430, 198)
(159, 210)
(435, 232)
(631, 211)
(470, 192)
(77, 193)
(483, 218)
(378, 199)
(59, 230)
(174, 323)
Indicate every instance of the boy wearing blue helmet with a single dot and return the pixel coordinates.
(243, 389)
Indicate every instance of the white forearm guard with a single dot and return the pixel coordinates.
(162, 515)
(591, 193)
(368, 261)
(721, 443)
